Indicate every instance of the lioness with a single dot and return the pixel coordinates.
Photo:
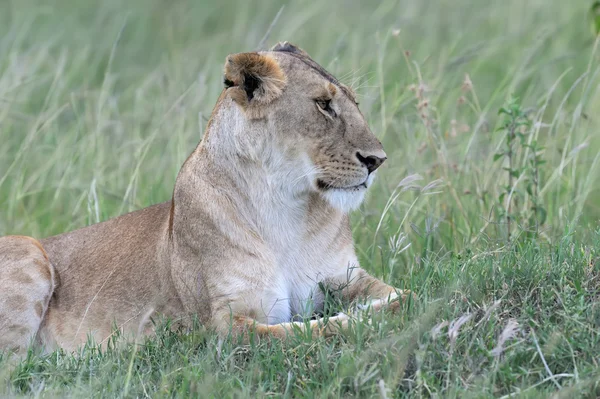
(257, 224)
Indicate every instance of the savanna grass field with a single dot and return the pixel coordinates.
(487, 207)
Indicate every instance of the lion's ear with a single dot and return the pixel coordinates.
(253, 79)
(288, 47)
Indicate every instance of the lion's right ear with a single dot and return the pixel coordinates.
(254, 80)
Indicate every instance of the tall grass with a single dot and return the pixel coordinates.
(101, 102)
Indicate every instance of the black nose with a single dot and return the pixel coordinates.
(372, 162)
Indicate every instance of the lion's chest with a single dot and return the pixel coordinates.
(307, 249)
(296, 288)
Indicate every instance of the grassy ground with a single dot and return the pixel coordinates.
(101, 102)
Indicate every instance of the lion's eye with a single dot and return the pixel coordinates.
(325, 105)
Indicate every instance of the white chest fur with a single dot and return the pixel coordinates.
(302, 261)
(301, 252)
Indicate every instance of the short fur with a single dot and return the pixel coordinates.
(257, 224)
(257, 80)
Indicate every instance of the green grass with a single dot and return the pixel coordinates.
(101, 102)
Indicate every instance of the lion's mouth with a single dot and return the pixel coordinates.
(326, 186)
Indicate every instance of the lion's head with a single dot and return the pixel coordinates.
(297, 114)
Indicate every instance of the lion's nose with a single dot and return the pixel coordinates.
(371, 161)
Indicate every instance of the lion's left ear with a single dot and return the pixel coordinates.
(254, 80)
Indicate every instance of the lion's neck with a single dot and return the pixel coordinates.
(265, 190)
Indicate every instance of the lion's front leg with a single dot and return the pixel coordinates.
(369, 292)
(243, 325)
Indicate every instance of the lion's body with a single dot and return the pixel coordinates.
(131, 281)
(246, 241)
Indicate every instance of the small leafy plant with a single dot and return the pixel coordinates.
(594, 15)
(513, 202)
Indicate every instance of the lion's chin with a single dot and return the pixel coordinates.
(345, 200)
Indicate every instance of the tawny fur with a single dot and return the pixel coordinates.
(258, 223)
(239, 68)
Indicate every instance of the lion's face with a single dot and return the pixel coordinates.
(316, 118)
